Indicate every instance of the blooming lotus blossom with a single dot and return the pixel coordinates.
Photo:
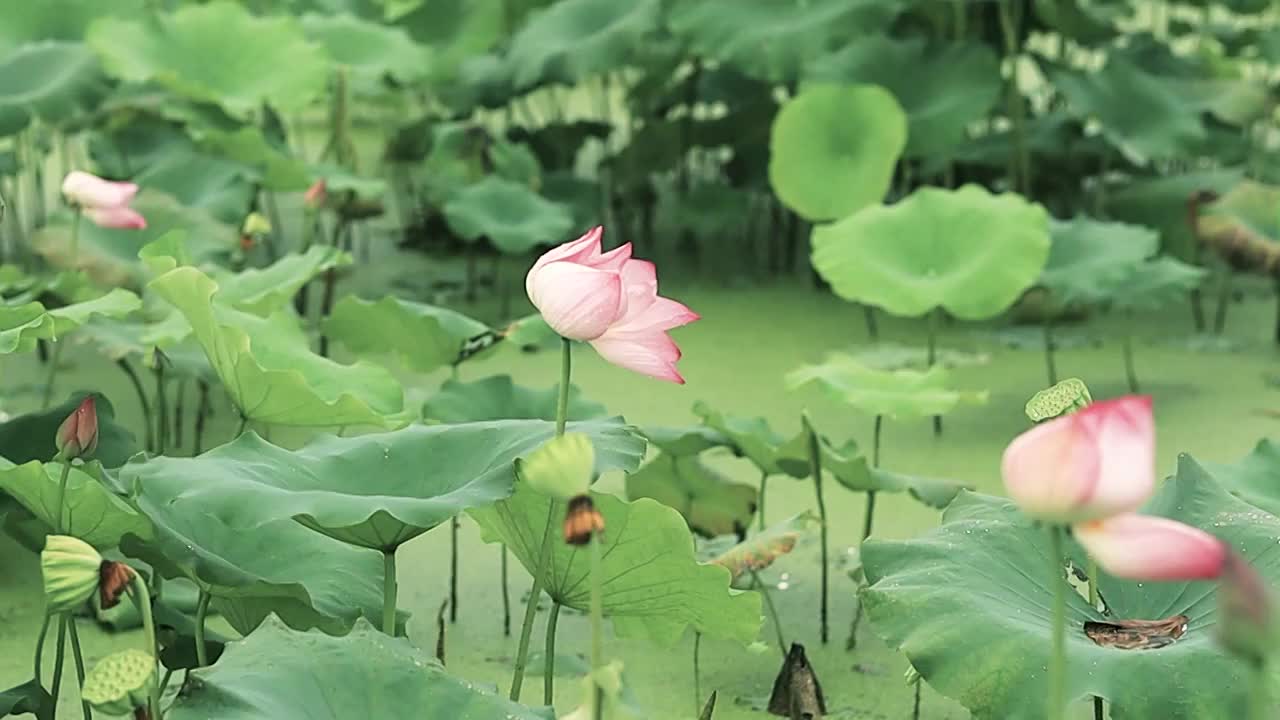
(1141, 547)
(1088, 465)
(611, 301)
(104, 202)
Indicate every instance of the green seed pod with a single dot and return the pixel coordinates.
(1063, 398)
(71, 568)
(120, 683)
(562, 468)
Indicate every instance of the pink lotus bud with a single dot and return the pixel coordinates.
(78, 434)
(104, 202)
(315, 195)
(1142, 547)
(611, 301)
(1091, 464)
(121, 218)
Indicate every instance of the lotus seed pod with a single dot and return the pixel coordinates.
(120, 683)
(1063, 398)
(71, 569)
(562, 468)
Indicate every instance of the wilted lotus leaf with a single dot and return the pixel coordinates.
(834, 148)
(1243, 227)
(966, 250)
(761, 549)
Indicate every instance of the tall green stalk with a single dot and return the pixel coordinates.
(77, 654)
(931, 358)
(815, 468)
(389, 591)
(764, 488)
(1056, 697)
(1020, 159)
(202, 613)
(597, 619)
(1260, 705)
(549, 656)
(142, 598)
(544, 551)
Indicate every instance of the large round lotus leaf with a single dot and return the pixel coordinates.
(282, 674)
(966, 250)
(265, 290)
(422, 337)
(1090, 258)
(91, 511)
(833, 149)
(308, 579)
(497, 397)
(751, 437)
(268, 368)
(1156, 284)
(1253, 477)
(259, 160)
(892, 393)
(1161, 203)
(969, 605)
(200, 180)
(371, 52)
(513, 217)
(110, 256)
(410, 480)
(1085, 23)
(1138, 111)
(574, 39)
(942, 89)
(65, 20)
(22, 325)
(31, 436)
(684, 441)
(711, 503)
(217, 52)
(654, 587)
(773, 39)
(52, 81)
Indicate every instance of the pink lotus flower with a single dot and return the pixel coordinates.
(78, 434)
(104, 202)
(1141, 547)
(611, 301)
(1088, 465)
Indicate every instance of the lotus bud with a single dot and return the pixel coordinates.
(582, 521)
(1063, 398)
(562, 468)
(71, 570)
(313, 199)
(1246, 616)
(121, 683)
(256, 224)
(78, 434)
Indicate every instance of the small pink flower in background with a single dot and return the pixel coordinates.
(104, 202)
(1141, 547)
(1088, 465)
(315, 195)
(611, 301)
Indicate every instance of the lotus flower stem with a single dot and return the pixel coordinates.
(764, 487)
(1260, 707)
(142, 401)
(389, 590)
(932, 358)
(773, 611)
(506, 595)
(59, 656)
(1049, 364)
(1020, 159)
(38, 660)
(162, 408)
(869, 319)
(597, 618)
(1092, 569)
(915, 707)
(202, 612)
(58, 525)
(815, 466)
(544, 551)
(454, 525)
(549, 656)
(142, 598)
(1057, 659)
(1126, 347)
(697, 670)
(202, 412)
(1224, 300)
(47, 398)
(77, 655)
(179, 412)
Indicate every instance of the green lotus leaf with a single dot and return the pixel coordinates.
(258, 159)
(1157, 283)
(275, 673)
(764, 548)
(1138, 111)
(653, 588)
(421, 337)
(65, 20)
(29, 697)
(217, 52)
(51, 81)
(1085, 23)
(891, 393)
(307, 578)
(498, 397)
(1089, 259)
(513, 217)
(341, 180)
(413, 479)
(833, 149)
(110, 256)
(751, 437)
(1252, 478)
(1161, 203)
(684, 441)
(31, 436)
(966, 250)
(262, 291)
(943, 89)
(894, 356)
(370, 51)
(982, 581)
(773, 39)
(91, 511)
(268, 368)
(531, 333)
(200, 180)
(711, 503)
(574, 39)
(22, 325)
